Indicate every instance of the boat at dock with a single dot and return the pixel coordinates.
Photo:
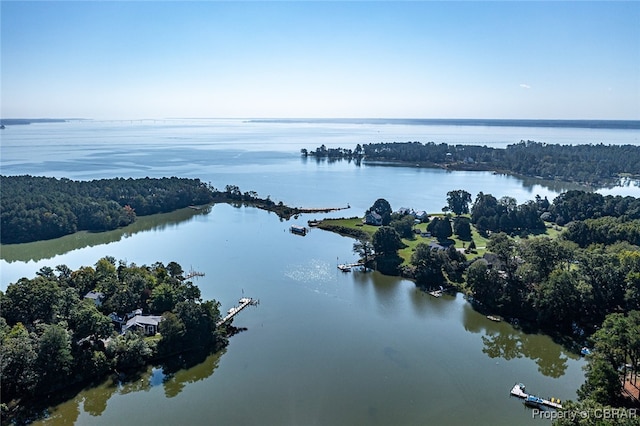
(436, 293)
(298, 230)
(533, 401)
(494, 318)
(519, 391)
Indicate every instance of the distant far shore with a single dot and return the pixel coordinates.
(24, 121)
(478, 122)
(579, 124)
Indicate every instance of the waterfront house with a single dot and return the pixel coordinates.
(373, 218)
(147, 324)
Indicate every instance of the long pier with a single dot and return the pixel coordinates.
(518, 390)
(244, 302)
(194, 274)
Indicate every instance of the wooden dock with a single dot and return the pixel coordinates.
(346, 267)
(244, 302)
(519, 391)
(192, 274)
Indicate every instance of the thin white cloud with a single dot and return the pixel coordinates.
(525, 86)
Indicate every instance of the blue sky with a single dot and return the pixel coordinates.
(420, 59)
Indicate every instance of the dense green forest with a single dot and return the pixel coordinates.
(53, 337)
(588, 164)
(41, 208)
(37, 208)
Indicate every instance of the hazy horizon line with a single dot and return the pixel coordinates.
(608, 124)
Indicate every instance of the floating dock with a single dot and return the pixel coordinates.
(346, 267)
(519, 391)
(244, 302)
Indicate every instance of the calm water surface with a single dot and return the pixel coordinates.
(323, 347)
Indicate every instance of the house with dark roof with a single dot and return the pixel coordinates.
(437, 246)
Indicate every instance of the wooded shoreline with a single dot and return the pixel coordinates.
(43, 208)
(575, 277)
(592, 166)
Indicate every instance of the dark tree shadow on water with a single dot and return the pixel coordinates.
(173, 373)
(549, 358)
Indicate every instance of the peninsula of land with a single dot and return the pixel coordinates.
(41, 208)
(63, 329)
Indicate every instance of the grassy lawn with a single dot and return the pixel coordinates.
(552, 231)
(480, 241)
(351, 223)
(405, 253)
(152, 339)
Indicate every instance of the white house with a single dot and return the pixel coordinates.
(373, 218)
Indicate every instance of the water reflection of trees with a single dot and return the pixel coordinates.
(385, 289)
(187, 369)
(174, 375)
(501, 340)
(48, 249)
(547, 355)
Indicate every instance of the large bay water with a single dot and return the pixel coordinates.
(323, 347)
